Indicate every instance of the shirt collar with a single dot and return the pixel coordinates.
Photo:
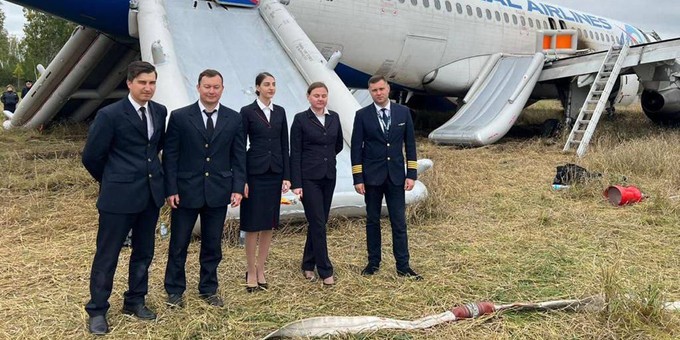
(262, 106)
(378, 107)
(136, 105)
(202, 107)
(325, 111)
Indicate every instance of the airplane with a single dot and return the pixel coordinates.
(434, 47)
(494, 55)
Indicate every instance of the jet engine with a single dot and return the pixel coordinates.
(662, 106)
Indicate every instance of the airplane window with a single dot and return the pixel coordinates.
(580, 34)
(437, 4)
(459, 8)
(498, 16)
(469, 10)
(488, 14)
(448, 6)
(479, 12)
(545, 24)
(531, 22)
(538, 24)
(426, 3)
(552, 24)
(563, 25)
(607, 38)
(506, 17)
(521, 19)
(514, 19)
(402, 1)
(590, 33)
(414, 2)
(602, 36)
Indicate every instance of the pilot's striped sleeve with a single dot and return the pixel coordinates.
(356, 150)
(410, 146)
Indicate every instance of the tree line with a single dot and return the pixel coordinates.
(44, 35)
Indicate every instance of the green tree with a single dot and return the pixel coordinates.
(44, 37)
(6, 65)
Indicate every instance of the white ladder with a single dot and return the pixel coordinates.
(597, 98)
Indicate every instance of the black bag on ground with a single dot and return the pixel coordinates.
(569, 174)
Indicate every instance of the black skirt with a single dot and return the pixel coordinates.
(260, 211)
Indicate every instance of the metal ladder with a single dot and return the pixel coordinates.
(597, 98)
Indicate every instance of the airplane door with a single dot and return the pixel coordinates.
(419, 56)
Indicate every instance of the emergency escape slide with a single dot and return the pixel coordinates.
(494, 102)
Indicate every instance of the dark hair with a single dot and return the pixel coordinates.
(316, 85)
(138, 67)
(209, 73)
(376, 78)
(260, 77)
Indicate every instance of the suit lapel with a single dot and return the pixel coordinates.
(134, 118)
(328, 121)
(197, 120)
(315, 121)
(373, 117)
(221, 121)
(158, 124)
(260, 114)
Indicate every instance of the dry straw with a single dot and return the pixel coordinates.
(492, 229)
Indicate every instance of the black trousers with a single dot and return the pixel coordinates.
(113, 228)
(182, 224)
(395, 198)
(316, 198)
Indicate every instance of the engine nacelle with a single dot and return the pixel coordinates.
(628, 92)
(662, 106)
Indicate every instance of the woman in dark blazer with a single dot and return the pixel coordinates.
(315, 139)
(268, 175)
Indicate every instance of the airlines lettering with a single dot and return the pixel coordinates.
(554, 11)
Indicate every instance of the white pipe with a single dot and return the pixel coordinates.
(97, 95)
(310, 62)
(61, 65)
(155, 35)
(537, 62)
(107, 88)
(71, 81)
(488, 66)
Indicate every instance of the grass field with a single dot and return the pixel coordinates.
(492, 229)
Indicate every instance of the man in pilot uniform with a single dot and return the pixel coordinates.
(381, 130)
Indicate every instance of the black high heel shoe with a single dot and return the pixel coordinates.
(251, 289)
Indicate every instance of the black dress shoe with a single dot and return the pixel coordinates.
(263, 285)
(140, 311)
(213, 300)
(175, 300)
(97, 325)
(408, 272)
(369, 270)
(251, 289)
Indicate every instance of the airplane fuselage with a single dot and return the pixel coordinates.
(403, 39)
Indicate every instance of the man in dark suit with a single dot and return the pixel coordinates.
(204, 161)
(121, 154)
(381, 130)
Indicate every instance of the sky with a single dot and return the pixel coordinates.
(662, 16)
(14, 19)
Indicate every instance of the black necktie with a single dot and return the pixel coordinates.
(386, 120)
(142, 110)
(209, 127)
